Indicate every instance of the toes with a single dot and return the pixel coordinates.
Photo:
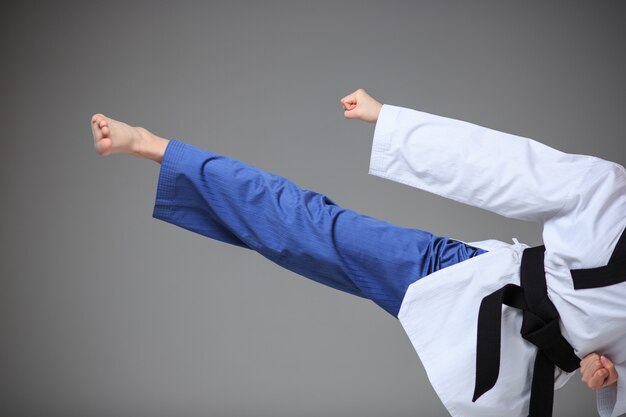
(103, 147)
(96, 132)
(106, 131)
(99, 120)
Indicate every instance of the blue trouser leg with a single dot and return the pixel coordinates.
(301, 230)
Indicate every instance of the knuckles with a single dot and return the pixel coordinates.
(590, 358)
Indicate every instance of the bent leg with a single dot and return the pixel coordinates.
(298, 229)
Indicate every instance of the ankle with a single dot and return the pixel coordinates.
(149, 145)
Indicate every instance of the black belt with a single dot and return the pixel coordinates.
(540, 326)
(540, 323)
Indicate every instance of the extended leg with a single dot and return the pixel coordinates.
(301, 230)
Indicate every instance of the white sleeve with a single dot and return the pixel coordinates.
(611, 401)
(510, 175)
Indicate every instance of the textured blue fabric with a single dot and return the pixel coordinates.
(301, 230)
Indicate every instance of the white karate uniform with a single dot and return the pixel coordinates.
(581, 202)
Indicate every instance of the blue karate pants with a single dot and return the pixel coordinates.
(304, 231)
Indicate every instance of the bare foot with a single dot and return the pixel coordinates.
(111, 136)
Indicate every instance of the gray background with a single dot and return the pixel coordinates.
(105, 311)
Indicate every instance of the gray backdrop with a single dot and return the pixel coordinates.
(105, 311)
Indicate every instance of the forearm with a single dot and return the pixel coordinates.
(511, 175)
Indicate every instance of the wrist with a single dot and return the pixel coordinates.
(373, 118)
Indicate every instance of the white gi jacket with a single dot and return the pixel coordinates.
(581, 202)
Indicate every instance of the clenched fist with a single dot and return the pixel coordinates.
(360, 105)
(597, 371)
